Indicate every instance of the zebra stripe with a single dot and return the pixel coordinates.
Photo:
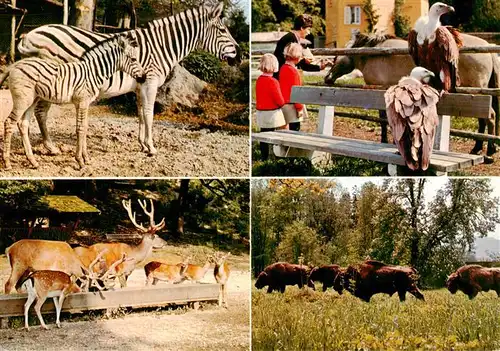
(33, 79)
(161, 46)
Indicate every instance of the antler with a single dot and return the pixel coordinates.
(127, 204)
(153, 227)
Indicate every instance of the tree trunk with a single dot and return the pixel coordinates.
(82, 14)
(183, 191)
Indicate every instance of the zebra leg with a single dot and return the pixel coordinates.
(15, 115)
(81, 134)
(140, 113)
(23, 126)
(41, 112)
(148, 92)
(491, 131)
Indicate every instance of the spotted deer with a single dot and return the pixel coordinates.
(36, 255)
(42, 284)
(171, 273)
(135, 253)
(221, 274)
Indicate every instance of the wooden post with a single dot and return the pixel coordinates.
(326, 121)
(66, 12)
(442, 139)
(12, 53)
(4, 323)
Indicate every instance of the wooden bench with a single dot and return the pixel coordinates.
(323, 141)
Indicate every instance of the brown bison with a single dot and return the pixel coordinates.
(278, 275)
(373, 277)
(329, 276)
(472, 279)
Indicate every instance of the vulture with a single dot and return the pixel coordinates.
(436, 47)
(412, 115)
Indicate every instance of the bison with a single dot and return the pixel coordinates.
(373, 277)
(329, 275)
(471, 279)
(278, 275)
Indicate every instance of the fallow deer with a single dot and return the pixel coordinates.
(139, 252)
(38, 285)
(221, 274)
(196, 273)
(170, 273)
(37, 255)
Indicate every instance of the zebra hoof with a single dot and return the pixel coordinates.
(53, 150)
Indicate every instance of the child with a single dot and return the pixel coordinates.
(268, 100)
(288, 77)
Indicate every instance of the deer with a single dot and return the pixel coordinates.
(196, 273)
(171, 273)
(221, 275)
(37, 255)
(39, 285)
(136, 253)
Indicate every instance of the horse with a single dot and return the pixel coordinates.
(475, 70)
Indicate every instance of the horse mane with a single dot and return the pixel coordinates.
(369, 40)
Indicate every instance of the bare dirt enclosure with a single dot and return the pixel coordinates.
(209, 328)
(115, 151)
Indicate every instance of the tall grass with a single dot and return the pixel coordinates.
(308, 320)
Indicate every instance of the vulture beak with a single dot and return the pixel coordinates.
(451, 9)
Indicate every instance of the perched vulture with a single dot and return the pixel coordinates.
(435, 47)
(412, 115)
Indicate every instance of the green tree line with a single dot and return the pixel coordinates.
(393, 222)
(209, 206)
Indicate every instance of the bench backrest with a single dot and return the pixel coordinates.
(460, 105)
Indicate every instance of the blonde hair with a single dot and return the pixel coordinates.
(293, 51)
(268, 64)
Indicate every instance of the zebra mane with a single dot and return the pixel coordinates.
(197, 12)
(108, 41)
(369, 40)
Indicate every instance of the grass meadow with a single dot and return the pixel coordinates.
(313, 320)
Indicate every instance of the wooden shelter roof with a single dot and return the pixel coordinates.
(66, 204)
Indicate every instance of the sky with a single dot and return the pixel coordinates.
(432, 185)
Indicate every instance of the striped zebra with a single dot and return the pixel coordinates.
(33, 79)
(163, 44)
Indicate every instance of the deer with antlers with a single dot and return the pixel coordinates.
(221, 274)
(135, 253)
(171, 273)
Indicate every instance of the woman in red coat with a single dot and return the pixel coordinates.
(268, 100)
(288, 77)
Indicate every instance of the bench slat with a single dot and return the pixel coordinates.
(383, 147)
(447, 160)
(387, 153)
(459, 105)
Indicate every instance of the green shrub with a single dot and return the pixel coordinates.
(203, 65)
(235, 81)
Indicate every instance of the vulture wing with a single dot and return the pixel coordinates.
(445, 55)
(413, 46)
(413, 126)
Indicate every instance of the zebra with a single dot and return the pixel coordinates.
(33, 79)
(163, 44)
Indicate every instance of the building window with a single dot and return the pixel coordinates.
(352, 15)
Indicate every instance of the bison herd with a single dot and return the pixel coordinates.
(373, 277)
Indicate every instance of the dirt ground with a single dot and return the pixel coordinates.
(209, 328)
(115, 151)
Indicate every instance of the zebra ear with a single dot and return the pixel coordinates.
(217, 10)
